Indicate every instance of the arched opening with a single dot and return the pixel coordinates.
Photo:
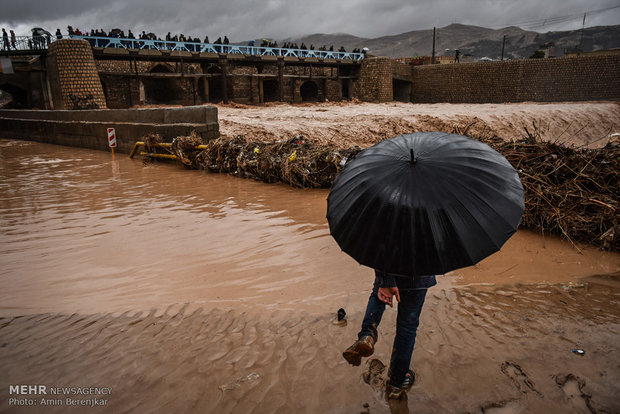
(200, 90)
(215, 84)
(345, 89)
(271, 92)
(13, 97)
(161, 89)
(161, 68)
(309, 92)
(401, 90)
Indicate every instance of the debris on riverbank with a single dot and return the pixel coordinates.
(569, 191)
(298, 161)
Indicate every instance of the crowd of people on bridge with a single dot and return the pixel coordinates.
(302, 46)
(120, 34)
(266, 43)
(190, 42)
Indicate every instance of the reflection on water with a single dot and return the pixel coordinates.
(85, 226)
(88, 231)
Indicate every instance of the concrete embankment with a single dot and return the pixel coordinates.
(88, 128)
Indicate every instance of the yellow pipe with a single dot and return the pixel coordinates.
(135, 148)
(169, 145)
(162, 156)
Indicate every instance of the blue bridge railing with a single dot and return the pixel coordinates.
(25, 43)
(106, 42)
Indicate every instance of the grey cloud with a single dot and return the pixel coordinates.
(242, 20)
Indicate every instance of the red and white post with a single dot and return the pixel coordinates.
(112, 139)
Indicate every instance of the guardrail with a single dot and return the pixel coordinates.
(25, 43)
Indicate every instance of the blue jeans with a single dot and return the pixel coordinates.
(407, 321)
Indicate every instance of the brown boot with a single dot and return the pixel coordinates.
(393, 392)
(363, 347)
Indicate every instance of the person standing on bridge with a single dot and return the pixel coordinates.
(5, 40)
(13, 41)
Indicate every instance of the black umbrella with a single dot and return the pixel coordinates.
(425, 203)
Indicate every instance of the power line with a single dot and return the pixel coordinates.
(550, 21)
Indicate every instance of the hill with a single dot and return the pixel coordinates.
(472, 40)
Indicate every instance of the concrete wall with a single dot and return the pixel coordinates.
(88, 128)
(539, 80)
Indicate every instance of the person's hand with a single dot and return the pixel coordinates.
(386, 294)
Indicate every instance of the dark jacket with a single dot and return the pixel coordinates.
(387, 280)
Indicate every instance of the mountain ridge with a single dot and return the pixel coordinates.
(475, 41)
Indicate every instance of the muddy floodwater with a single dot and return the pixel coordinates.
(197, 292)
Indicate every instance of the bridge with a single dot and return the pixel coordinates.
(39, 44)
(81, 72)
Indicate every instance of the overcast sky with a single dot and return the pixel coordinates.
(279, 19)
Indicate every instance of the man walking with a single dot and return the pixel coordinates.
(5, 40)
(410, 293)
(13, 39)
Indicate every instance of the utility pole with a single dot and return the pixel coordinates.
(583, 25)
(433, 55)
(503, 46)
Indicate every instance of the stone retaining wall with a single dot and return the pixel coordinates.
(88, 128)
(588, 78)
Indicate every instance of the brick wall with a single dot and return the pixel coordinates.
(334, 90)
(401, 70)
(124, 89)
(375, 80)
(125, 66)
(120, 91)
(72, 69)
(540, 80)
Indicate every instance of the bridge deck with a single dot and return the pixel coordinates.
(167, 56)
(143, 49)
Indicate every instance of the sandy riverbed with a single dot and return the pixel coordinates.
(479, 350)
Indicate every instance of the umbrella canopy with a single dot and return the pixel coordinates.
(425, 203)
(38, 31)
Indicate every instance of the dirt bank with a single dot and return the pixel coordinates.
(364, 124)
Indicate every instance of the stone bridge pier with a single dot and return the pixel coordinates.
(66, 77)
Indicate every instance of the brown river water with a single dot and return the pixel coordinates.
(200, 292)
(88, 231)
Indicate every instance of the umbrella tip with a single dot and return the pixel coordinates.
(413, 159)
